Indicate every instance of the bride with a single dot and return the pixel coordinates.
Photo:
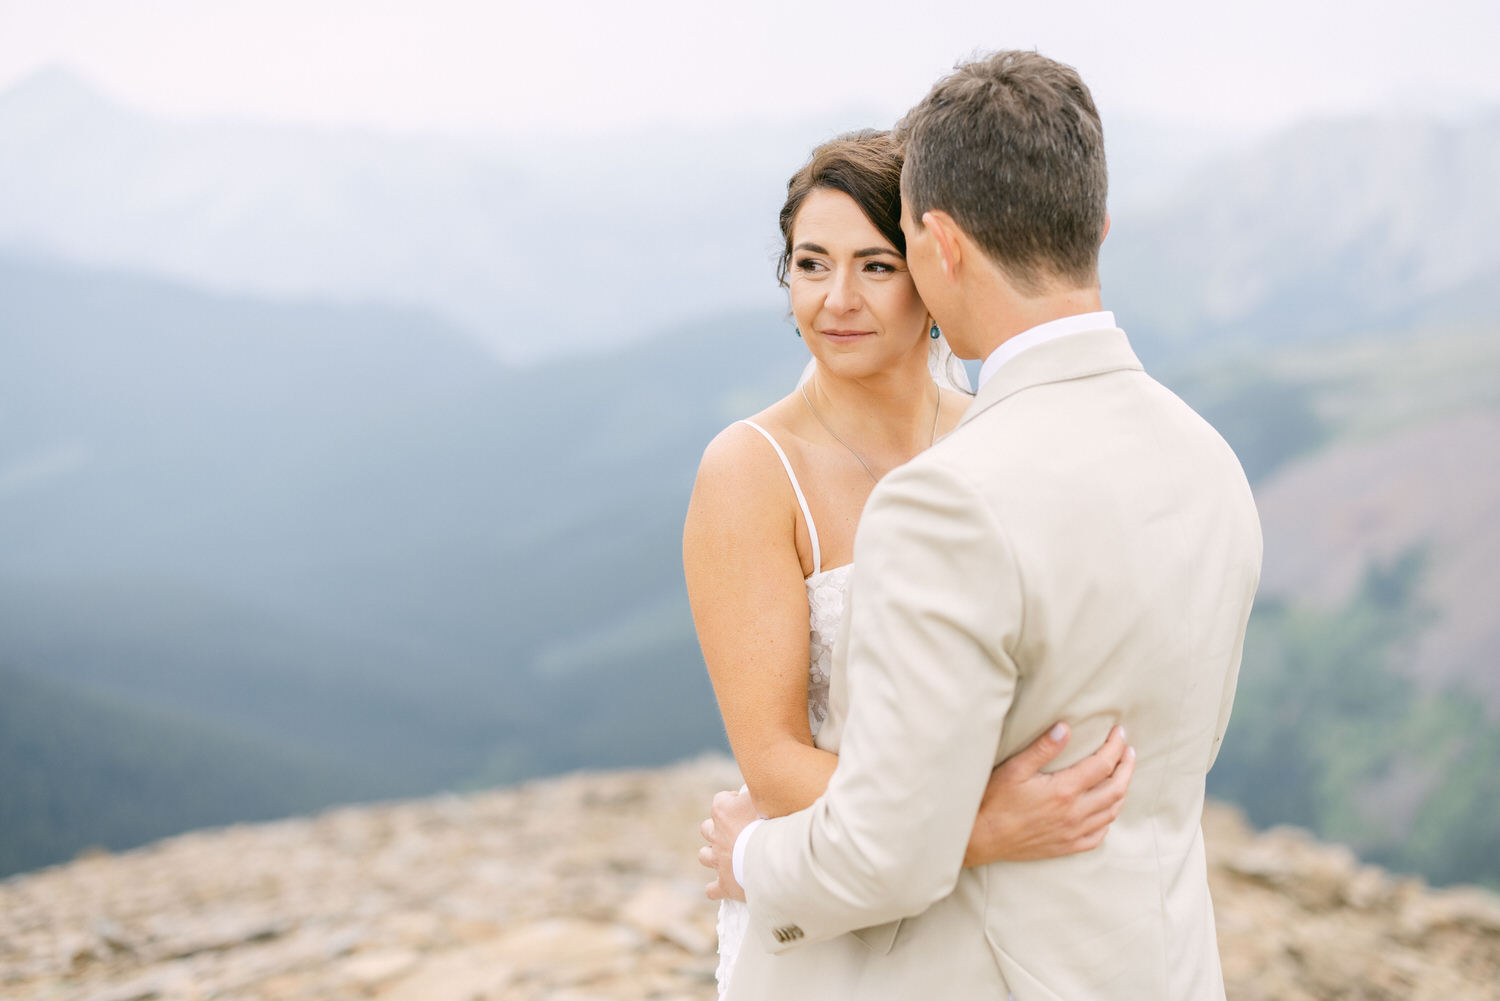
(770, 528)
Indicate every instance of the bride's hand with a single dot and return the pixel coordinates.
(1027, 814)
(732, 813)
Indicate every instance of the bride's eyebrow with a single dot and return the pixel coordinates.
(867, 252)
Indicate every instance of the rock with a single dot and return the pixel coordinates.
(369, 970)
(479, 973)
(216, 932)
(1467, 908)
(1288, 859)
(672, 912)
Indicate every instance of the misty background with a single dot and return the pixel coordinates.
(356, 359)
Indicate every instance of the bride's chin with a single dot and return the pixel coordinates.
(866, 365)
(846, 368)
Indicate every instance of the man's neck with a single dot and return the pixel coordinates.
(1018, 314)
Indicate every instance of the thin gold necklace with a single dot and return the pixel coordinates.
(873, 478)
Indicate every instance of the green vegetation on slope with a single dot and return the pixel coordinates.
(1328, 733)
(80, 770)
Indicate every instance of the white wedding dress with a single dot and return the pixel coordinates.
(825, 603)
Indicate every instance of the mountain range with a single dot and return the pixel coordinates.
(545, 246)
(278, 528)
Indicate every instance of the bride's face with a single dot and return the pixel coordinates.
(852, 296)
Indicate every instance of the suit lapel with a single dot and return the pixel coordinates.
(1076, 356)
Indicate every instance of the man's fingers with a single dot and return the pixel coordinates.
(1110, 793)
(1097, 767)
(1027, 762)
(707, 829)
(1092, 830)
(706, 857)
(714, 891)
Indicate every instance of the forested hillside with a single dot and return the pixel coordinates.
(306, 526)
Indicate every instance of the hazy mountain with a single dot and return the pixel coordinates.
(1429, 491)
(1367, 453)
(1368, 706)
(537, 245)
(348, 535)
(1326, 230)
(343, 536)
(538, 249)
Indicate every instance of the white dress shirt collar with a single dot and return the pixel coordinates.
(1042, 333)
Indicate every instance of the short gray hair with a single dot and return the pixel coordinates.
(1011, 147)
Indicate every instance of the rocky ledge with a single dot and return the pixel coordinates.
(586, 887)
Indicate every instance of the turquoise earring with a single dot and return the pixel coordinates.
(936, 333)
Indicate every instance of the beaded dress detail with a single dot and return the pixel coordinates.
(825, 603)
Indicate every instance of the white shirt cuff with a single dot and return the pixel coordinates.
(737, 860)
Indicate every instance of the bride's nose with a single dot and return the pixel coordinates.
(843, 292)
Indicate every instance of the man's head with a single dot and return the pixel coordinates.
(1010, 149)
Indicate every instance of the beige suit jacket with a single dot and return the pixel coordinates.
(1082, 547)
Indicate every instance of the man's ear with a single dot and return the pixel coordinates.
(1106, 228)
(946, 238)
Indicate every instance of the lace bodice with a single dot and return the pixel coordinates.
(825, 604)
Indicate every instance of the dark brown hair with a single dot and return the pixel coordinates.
(866, 166)
(1011, 147)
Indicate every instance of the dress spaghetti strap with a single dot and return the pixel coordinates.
(812, 530)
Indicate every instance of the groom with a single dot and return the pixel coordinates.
(1081, 547)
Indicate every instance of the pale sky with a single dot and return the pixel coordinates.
(573, 67)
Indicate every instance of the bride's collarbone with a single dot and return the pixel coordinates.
(842, 471)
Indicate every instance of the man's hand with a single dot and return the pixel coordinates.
(1027, 814)
(732, 812)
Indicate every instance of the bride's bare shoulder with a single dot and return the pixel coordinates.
(741, 470)
(740, 446)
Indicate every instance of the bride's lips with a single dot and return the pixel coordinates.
(845, 336)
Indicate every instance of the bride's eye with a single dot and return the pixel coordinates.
(809, 264)
(880, 267)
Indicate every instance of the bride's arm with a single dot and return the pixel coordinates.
(749, 601)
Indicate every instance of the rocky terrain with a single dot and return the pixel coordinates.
(586, 887)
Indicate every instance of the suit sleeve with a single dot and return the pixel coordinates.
(935, 603)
